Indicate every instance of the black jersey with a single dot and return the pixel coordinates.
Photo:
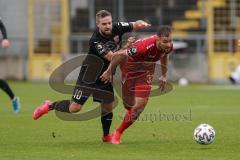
(99, 46)
(3, 29)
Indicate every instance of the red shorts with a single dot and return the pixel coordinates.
(136, 84)
(136, 80)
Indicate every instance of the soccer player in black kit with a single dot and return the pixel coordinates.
(104, 42)
(3, 84)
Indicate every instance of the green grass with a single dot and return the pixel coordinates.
(168, 139)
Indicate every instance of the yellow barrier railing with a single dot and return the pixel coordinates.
(48, 36)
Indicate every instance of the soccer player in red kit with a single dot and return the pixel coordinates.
(137, 64)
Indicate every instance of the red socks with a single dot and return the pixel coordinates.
(128, 120)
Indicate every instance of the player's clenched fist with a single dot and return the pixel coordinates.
(5, 43)
(140, 24)
(162, 83)
(106, 77)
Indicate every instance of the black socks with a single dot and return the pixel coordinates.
(62, 106)
(106, 120)
(5, 87)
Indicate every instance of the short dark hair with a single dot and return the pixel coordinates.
(102, 14)
(164, 31)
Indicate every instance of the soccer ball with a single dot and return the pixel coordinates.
(204, 134)
(183, 81)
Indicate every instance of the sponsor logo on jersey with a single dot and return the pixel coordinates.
(151, 45)
(124, 24)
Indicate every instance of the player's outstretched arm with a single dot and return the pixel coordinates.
(110, 54)
(140, 24)
(117, 58)
(164, 69)
(5, 42)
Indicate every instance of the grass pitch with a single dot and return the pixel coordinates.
(164, 131)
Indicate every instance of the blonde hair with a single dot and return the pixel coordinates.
(102, 14)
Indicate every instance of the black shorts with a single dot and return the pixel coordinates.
(101, 93)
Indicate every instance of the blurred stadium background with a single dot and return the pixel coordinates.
(44, 33)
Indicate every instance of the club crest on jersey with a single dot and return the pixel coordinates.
(116, 39)
(100, 48)
(132, 51)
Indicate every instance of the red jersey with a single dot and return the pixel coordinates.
(142, 55)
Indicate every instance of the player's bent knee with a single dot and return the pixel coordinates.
(107, 107)
(128, 103)
(141, 104)
(74, 107)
